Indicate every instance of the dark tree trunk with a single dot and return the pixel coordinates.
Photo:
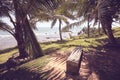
(88, 32)
(27, 42)
(110, 33)
(105, 16)
(60, 32)
(19, 32)
(33, 47)
(20, 41)
(106, 24)
(103, 28)
(99, 28)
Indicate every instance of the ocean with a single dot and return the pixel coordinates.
(43, 34)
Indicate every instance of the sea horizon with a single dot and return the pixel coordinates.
(43, 34)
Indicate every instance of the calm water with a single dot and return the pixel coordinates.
(43, 31)
(43, 34)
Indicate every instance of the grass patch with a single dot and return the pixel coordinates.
(47, 47)
(87, 44)
(37, 63)
(102, 62)
(7, 55)
(7, 50)
(28, 71)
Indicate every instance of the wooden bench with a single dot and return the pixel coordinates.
(74, 61)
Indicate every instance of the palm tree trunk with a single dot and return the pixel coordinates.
(106, 24)
(19, 32)
(110, 33)
(20, 41)
(60, 32)
(34, 48)
(99, 28)
(103, 28)
(88, 27)
(27, 43)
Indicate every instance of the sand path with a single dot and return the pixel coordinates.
(56, 69)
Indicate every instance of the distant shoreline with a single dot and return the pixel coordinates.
(9, 41)
(44, 34)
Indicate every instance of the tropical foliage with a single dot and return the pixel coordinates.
(22, 32)
(103, 11)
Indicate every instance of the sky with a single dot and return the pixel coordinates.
(48, 24)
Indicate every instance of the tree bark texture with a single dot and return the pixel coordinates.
(60, 32)
(27, 42)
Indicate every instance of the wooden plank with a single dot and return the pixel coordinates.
(74, 61)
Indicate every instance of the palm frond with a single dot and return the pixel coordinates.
(53, 22)
(3, 11)
(62, 18)
(6, 27)
(43, 5)
(70, 26)
(69, 15)
(69, 5)
(43, 16)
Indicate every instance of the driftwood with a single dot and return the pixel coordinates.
(74, 61)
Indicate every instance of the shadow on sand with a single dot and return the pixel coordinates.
(105, 62)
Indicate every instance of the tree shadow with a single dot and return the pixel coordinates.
(106, 61)
(24, 74)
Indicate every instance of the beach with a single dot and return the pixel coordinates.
(43, 34)
(8, 41)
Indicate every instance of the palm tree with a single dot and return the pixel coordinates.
(88, 24)
(60, 18)
(83, 10)
(107, 10)
(99, 27)
(103, 10)
(27, 43)
(53, 13)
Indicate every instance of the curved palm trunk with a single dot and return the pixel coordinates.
(110, 33)
(27, 43)
(103, 28)
(20, 41)
(19, 32)
(99, 28)
(60, 32)
(106, 24)
(88, 32)
(32, 45)
(105, 17)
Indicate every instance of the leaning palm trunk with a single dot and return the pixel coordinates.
(107, 21)
(110, 33)
(103, 28)
(19, 32)
(110, 36)
(27, 43)
(60, 32)
(20, 41)
(88, 32)
(105, 13)
(33, 47)
(99, 28)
